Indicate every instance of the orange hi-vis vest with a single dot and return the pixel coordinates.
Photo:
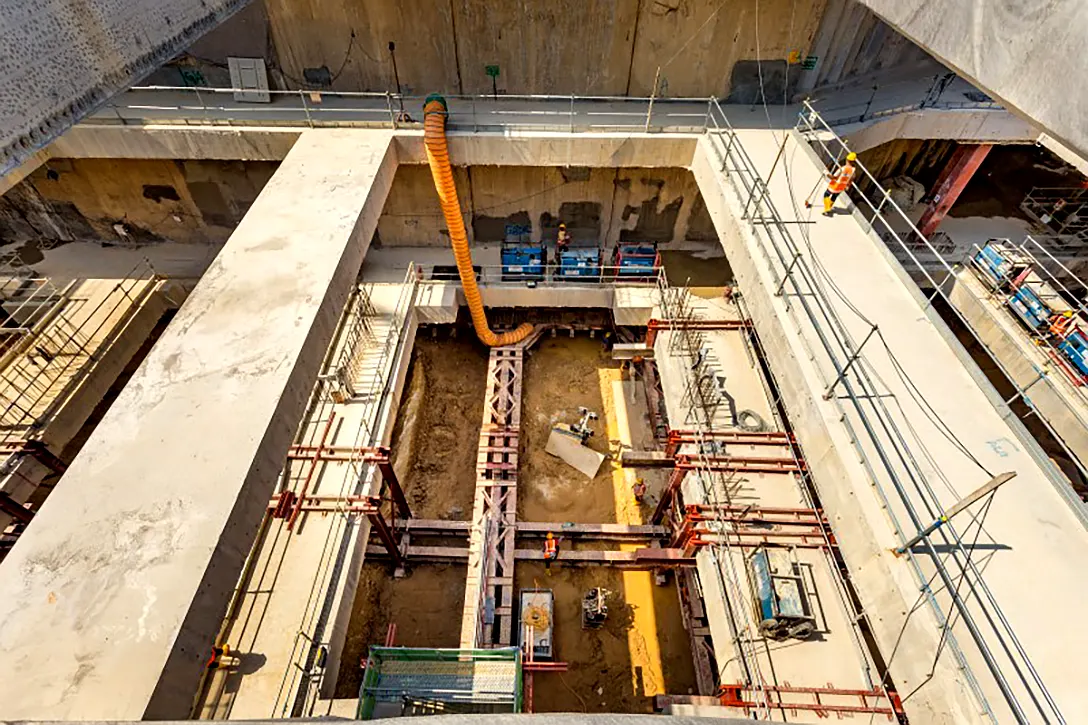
(842, 180)
(1060, 324)
(551, 548)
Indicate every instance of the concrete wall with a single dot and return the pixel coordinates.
(190, 201)
(564, 46)
(61, 60)
(920, 160)
(598, 205)
(852, 42)
(1028, 54)
(201, 201)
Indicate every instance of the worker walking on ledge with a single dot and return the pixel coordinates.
(551, 551)
(840, 182)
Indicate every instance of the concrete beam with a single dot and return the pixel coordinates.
(1029, 55)
(965, 126)
(64, 60)
(129, 566)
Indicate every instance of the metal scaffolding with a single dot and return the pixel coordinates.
(50, 339)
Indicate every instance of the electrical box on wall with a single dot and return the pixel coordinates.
(249, 79)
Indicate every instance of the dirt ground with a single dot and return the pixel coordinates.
(641, 651)
(438, 425)
(561, 374)
(425, 606)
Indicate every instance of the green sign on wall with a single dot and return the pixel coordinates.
(492, 70)
(810, 62)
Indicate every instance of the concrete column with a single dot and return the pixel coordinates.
(961, 167)
(113, 597)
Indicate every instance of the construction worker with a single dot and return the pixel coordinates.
(551, 551)
(1061, 324)
(639, 489)
(215, 661)
(840, 182)
(562, 242)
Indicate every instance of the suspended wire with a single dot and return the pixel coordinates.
(914, 393)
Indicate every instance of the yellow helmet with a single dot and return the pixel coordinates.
(1068, 313)
(851, 156)
(549, 535)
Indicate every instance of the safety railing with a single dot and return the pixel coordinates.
(303, 676)
(52, 337)
(924, 260)
(945, 92)
(890, 454)
(546, 275)
(219, 106)
(1062, 211)
(570, 113)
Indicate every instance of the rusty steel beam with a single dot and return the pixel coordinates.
(14, 509)
(681, 437)
(655, 326)
(385, 533)
(954, 178)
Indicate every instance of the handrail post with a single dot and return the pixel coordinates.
(306, 108)
(203, 106)
(787, 273)
(849, 363)
(571, 113)
(706, 118)
(392, 115)
(650, 106)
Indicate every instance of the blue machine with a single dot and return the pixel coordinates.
(999, 264)
(636, 261)
(781, 603)
(581, 265)
(1075, 347)
(522, 260)
(1035, 302)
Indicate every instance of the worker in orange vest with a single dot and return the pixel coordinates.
(1061, 324)
(562, 242)
(840, 182)
(551, 551)
(215, 661)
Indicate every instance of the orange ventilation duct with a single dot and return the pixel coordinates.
(438, 156)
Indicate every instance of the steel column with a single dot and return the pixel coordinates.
(953, 179)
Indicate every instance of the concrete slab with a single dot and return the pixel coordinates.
(1033, 541)
(585, 460)
(132, 564)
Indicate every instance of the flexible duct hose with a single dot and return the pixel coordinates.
(434, 138)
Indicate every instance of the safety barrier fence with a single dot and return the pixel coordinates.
(51, 339)
(891, 453)
(219, 106)
(304, 675)
(925, 261)
(546, 275)
(945, 92)
(540, 112)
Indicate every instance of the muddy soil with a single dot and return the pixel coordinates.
(696, 270)
(561, 374)
(425, 605)
(438, 427)
(641, 651)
